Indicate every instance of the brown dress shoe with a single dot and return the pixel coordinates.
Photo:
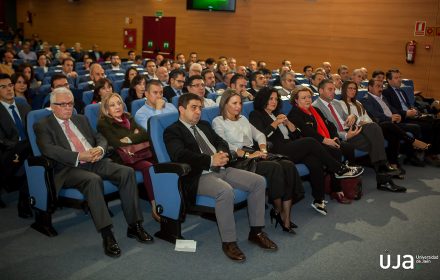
(262, 240)
(233, 252)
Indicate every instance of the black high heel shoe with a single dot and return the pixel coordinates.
(278, 220)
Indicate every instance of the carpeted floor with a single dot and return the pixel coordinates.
(346, 244)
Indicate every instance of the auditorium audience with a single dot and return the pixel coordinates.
(136, 91)
(283, 181)
(120, 129)
(155, 104)
(196, 85)
(317, 77)
(163, 75)
(393, 129)
(21, 86)
(222, 69)
(83, 166)
(150, 68)
(287, 80)
(398, 100)
(14, 145)
(368, 137)
(6, 65)
(130, 73)
(286, 139)
(103, 88)
(344, 73)
(328, 69)
(258, 81)
(177, 82)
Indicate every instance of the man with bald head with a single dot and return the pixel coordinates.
(162, 75)
(328, 69)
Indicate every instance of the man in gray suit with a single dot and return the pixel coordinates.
(368, 137)
(194, 142)
(78, 156)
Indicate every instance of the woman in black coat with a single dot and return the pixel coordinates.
(286, 139)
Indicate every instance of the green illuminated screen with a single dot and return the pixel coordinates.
(211, 5)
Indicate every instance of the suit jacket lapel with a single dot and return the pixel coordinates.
(59, 133)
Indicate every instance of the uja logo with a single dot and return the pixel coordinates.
(406, 262)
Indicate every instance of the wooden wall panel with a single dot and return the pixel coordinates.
(370, 33)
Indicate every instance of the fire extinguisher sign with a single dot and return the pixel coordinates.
(420, 28)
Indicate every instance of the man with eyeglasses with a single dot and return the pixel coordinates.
(14, 144)
(78, 156)
(60, 80)
(177, 81)
(196, 85)
(154, 104)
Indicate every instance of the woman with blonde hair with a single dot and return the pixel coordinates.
(120, 129)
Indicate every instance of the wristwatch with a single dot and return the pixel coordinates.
(246, 155)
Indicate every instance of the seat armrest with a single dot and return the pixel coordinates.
(181, 169)
(49, 178)
(40, 161)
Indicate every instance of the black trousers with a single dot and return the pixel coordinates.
(283, 180)
(430, 132)
(9, 168)
(394, 133)
(316, 157)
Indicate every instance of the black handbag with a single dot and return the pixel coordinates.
(248, 164)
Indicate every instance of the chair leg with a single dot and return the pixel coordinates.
(170, 230)
(43, 223)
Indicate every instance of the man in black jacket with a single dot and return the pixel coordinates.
(14, 145)
(192, 141)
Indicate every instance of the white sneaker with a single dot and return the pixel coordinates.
(320, 207)
(350, 172)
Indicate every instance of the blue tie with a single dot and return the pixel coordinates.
(18, 123)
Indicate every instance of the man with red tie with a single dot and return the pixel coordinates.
(368, 137)
(79, 162)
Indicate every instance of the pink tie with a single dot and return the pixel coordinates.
(79, 147)
(332, 110)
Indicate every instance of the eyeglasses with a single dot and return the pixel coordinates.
(64, 104)
(7, 85)
(198, 85)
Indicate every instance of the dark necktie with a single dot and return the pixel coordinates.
(335, 116)
(402, 97)
(18, 123)
(179, 92)
(201, 142)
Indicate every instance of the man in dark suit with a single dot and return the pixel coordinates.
(315, 81)
(192, 141)
(177, 81)
(78, 155)
(96, 54)
(258, 81)
(398, 100)
(390, 121)
(14, 145)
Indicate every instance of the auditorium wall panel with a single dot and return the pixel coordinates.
(370, 33)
